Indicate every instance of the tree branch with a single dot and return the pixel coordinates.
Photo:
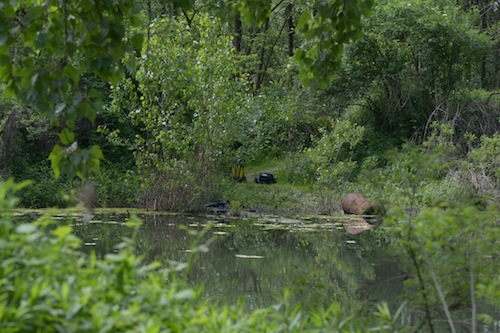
(443, 300)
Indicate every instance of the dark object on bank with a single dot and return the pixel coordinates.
(357, 204)
(265, 178)
(218, 206)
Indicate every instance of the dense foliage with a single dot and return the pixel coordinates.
(398, 100)
(206, 86)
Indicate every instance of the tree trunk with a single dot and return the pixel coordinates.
(496, 71)
(484, 26)
(7, 130)
(262, 53)
(291, 29)
(238, 31)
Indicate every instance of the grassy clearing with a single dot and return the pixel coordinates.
(274, 166)
(282, 197)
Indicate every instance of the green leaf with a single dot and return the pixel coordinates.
(73, 74)
(89, 110)
(66, 136)
(304, 20)
(184, 294)
(7, 10)
(5, 68)
(55, 158)
(137, 40)
(62, 232)
(65, 291)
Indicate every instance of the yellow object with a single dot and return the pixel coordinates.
(239, 173)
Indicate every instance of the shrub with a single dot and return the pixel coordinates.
(48, 192)
(334, 152)
(116, 188)
(300, 170)
(481, 170)
(450, 263)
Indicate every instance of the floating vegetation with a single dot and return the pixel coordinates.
(245, 256)
(223, 225)
(352, 224)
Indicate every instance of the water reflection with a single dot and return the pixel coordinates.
(258, 258)
(317, 259)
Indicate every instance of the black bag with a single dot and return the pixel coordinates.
(265, 178)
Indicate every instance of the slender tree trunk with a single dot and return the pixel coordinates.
(496, 57)
(483, 58)
(442, 298)
(150, 19)
(7, 131)
(423, 290)
(291, 29)
(483, 72)
(238, 32)
(262, 53)
(472, 287)
(496, 72)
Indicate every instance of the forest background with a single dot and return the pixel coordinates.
(208, 86)
(398, 100)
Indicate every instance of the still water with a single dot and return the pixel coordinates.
(253, 260)
(256, 259)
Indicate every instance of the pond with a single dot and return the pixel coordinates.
(318, 261)
(259, 257)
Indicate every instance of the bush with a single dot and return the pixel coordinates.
(451, 263)
(300, 170)
(116, 188)
(48, 191)
(481, 171)
(333, 154)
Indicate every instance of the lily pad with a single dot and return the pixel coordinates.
(245, 256)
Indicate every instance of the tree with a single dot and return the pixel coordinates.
(412, 62)
(488, 23)
(46, 47)
(45, 50)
